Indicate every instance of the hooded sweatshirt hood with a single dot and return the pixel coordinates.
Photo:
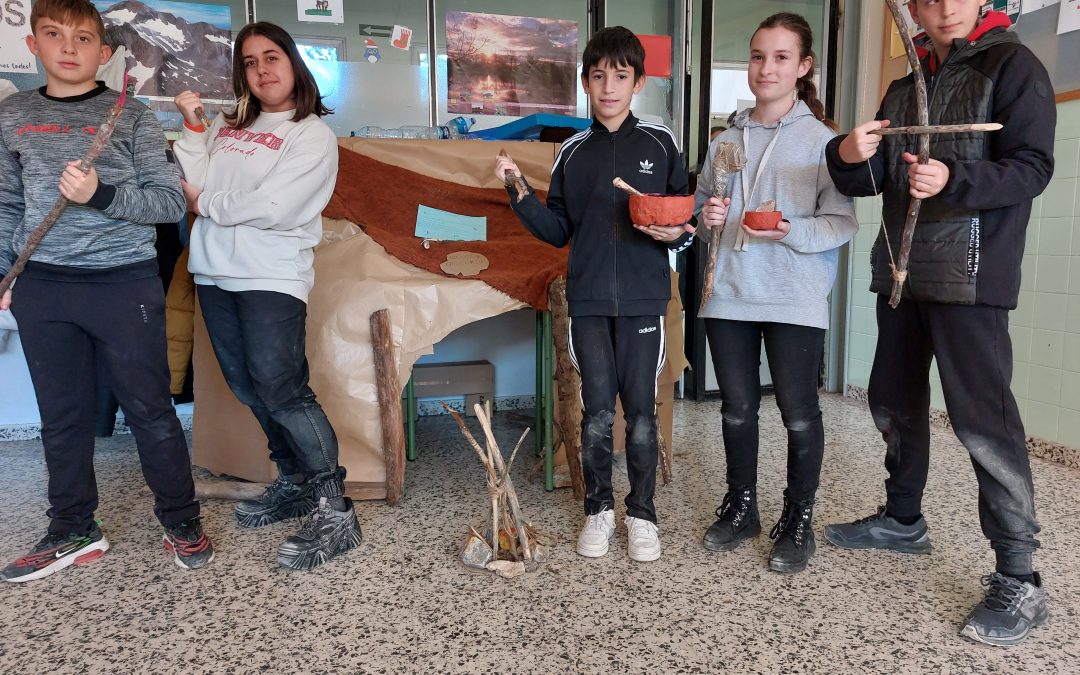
(989, 22)
(742, 118)
(785, 281)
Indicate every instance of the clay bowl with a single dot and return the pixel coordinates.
(762, 220)
(656, 209)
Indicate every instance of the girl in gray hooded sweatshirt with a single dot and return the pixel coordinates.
(773, 285)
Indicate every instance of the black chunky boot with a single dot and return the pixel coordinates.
(736, 520)
(282, 500)
(331, 529)
(794, 537)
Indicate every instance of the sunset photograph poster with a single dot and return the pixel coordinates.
(511, 65)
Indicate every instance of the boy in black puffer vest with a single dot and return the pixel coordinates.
(964, 277)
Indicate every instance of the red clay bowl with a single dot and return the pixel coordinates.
(762, 220)
(661, 209)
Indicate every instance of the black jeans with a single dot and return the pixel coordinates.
(974, 357)
(618, 355)
(794, 354)
(259, 339)
(65, 325)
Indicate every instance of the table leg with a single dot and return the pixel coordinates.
(410, 420)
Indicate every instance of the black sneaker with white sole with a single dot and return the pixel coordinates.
(881, 531)
(327, 534)
(55, 552)
(189, 545)
(1008, 612)
(282, 500)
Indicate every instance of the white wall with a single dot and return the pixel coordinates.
(508, 341)
(17, 403)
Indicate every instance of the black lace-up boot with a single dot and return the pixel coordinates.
(736, 520)
(793, 537)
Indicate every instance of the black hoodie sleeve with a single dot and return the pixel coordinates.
(1021, 157)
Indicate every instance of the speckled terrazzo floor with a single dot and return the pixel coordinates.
(402, 603)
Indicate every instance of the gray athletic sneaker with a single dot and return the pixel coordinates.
(1009, 611)
(881, 531)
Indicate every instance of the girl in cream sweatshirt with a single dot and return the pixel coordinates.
(258, 179)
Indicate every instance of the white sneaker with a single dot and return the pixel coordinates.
(594, 537)
(643, 538)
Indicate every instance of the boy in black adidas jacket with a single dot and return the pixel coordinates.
(963, 279)
(619, 280)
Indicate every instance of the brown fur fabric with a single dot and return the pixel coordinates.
(383, 200)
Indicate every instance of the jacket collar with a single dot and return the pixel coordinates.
(629, 123)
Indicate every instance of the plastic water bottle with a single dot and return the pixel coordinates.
(400, 132)
(455, 128)
(459, 126)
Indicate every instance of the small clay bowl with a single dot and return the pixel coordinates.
(762, 220)
(657, 209)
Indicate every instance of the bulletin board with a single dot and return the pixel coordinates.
(1059, 53)
(1037, 30)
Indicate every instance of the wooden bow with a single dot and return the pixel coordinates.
(922, 131)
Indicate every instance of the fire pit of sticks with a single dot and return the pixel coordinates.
(509, 546)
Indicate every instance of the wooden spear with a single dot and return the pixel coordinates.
(101, 138)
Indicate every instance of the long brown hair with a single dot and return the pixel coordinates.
(306, 90)
(804, 86)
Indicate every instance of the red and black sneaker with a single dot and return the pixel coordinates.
(191, 548)
(55, 552)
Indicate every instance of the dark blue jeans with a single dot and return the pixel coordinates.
(974, 359)
(618, 355)
(259, 339)
(794, 354)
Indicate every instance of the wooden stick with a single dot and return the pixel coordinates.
(938, 129)
(472, 442)
(201, 114)
(729, 158)
(101, 138)
(388, 389)
(507, 485)
(237, 490)
(512, 180)
(492, 478)
(899, 269)
(228, 489)
(626, 187)
(568, 386)
(665, 455)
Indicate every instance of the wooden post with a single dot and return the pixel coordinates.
(389, 392)
(569, 386)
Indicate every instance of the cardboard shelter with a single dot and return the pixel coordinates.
(360, 268)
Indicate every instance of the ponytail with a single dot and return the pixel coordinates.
(805, 89)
